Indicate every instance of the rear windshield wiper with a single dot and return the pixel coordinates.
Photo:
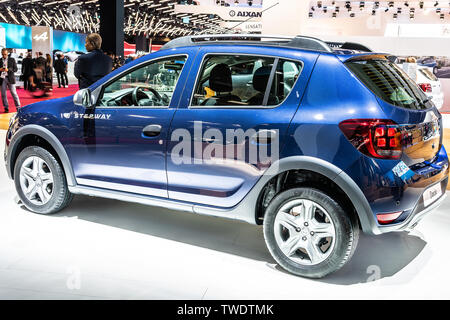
(426, 100)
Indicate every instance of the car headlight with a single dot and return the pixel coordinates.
(12, 119)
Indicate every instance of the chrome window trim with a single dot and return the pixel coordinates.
(276, 59)
(99, 90)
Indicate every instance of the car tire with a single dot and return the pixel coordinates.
(327, 215)
(40, 181)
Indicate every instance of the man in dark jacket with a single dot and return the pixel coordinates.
(7, 79)
(60, 69)
(92, 66)
(27, 70)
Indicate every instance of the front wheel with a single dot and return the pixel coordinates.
(308, 233)
(40, 181)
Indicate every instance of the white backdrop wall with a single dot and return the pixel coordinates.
(290, 17)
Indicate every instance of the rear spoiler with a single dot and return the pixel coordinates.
(348, 46)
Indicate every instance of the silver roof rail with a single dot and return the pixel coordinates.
(299, 42)
(348, 46)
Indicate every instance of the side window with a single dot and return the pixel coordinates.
(284, 80)
(149, 86)
(234, 80)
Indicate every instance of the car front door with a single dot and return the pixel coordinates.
(226, 131)
(122, 141)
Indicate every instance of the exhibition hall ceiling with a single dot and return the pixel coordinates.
(396, 9)
(152, 18)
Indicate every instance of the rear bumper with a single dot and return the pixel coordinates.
(387, 191)
(414, 218)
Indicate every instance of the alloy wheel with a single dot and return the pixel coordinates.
(36, 180)
(304, 232)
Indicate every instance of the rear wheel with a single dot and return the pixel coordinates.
(308, 233)
(40, 181)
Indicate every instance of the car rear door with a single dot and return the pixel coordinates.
(222, 142)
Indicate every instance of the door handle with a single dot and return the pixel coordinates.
(264, 136)
(152, 130)
(209, 140)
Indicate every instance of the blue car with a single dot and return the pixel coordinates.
(316, 145)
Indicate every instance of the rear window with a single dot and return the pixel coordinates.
(390, 83)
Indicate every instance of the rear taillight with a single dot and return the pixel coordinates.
(376, 138)
(426, 87)
(386, 218)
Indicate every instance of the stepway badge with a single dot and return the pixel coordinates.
(76, 115)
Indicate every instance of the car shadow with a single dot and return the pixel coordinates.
(380, 257)
(375, 258)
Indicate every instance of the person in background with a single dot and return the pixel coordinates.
(66, 65)
(48, 69)
(92, 66)
(114, 61)
(27, 70)
(60, 69)
(40, 61)
(129, 59)
(39, 67)
(8, 67)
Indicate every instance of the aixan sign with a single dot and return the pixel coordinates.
(245, 14)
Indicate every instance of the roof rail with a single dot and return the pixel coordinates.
(348, 46)
(300, 42)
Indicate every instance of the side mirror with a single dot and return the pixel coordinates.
(83, 98)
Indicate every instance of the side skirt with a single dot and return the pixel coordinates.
(153, 201)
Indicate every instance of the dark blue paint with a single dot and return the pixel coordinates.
(325, 94)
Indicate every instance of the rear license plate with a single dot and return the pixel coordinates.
(432, 194)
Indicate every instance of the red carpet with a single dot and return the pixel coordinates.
(26, 98)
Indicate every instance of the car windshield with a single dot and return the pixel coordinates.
(389, 83)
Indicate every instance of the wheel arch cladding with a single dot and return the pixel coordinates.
(38, 135)
(317, 168)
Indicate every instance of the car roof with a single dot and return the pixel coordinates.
(298, 42)
(344, 50)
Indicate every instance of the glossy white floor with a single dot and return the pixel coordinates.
(105, 249)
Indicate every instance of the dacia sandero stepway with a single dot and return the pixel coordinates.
(312, 140)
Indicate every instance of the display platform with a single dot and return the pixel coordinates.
(107, 249)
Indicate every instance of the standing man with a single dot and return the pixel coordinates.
(27, 70)
(40, 63)
(60, 69)
(8, 67)
(66, 64)
(92, 66)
